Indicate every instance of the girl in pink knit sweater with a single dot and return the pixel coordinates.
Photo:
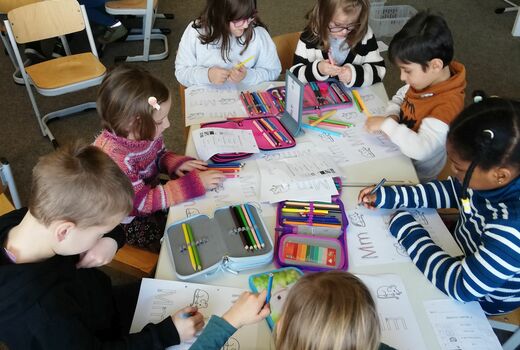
(134, 107)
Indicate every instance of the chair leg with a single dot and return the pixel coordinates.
(513, 342)
(65, 112)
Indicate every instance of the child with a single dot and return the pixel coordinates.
(484, 148)
(338, 42)
(328, 310)
(419, 114)
(225, 34)
(48, 302)
(134, 108)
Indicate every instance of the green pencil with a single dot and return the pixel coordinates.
(244, 221)
(356, 102)
(338, 122)
(195, 249)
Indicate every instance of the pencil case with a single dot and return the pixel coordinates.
(324, 96)
(267, 103)
(269, 133)
(222, 242)
(311, 235)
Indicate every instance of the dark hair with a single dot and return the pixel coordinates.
(214, 23)
(123, 97)
(487, 134)
(424, 37)
(322, 14)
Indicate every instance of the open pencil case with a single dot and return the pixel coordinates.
(311, 235)
(269, 133)
(222, 242)
(266, 103)
(324, 96)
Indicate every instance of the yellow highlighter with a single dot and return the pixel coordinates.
(241, 64)
(190, 248)
(323, 117)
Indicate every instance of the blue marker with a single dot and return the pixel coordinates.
(269, 287)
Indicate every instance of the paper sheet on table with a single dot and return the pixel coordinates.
(297, 174)
(399, 327)
(370, 241)
(212, 103)
(461, 325)
(159, 299)
(210, 141)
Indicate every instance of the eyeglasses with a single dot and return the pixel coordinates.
(349, 27)
(243, 21)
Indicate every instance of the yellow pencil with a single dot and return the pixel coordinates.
(357, 96)
(241, 64)
(323, 117)
(190, 249)
(294, 210)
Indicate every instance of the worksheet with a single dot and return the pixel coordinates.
(210, 103)
(159, 299)
(399, 327)
(370, 241)
(210, 141)
(461, 325)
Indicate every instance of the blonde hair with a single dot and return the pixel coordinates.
(322, 14)
(329, 311)
(81, 184)
(122, 101)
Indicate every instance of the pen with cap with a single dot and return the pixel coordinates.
(378, 186)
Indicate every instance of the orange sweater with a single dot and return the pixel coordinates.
(443, 101)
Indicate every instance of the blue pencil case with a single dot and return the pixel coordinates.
(283, 280)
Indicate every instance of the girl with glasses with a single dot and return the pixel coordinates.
(227, 43)
(338, 43)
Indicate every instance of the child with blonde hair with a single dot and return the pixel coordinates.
(227, 43)
(134, 108)
(331, 310)
(338, 43)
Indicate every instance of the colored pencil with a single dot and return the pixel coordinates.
(332, 121)
(194, 246)
(290, 222)
(190, 248)
(251, 217)
(361, 103)
(226, 165)
(269, 288)
(241, 64)
(323, 117)
(249, 236)
(294, 210)
(324, 131)
(241, 232)
(251, 227)
(315, 204)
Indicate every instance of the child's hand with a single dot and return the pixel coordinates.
(218, 75)
(366, 199)
(326, 68)
(237, 74)
(345, 75)
(100, 254)
(373, 124)
(190, 165)
(248, 309)
(188, 322)
(211, 178)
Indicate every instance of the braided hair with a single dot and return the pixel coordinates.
(487, 134)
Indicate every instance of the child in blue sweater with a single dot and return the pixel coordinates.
(484, 148)
(227, 43)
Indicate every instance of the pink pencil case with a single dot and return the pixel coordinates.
(269, 133)
(268, 103)
(324, 96)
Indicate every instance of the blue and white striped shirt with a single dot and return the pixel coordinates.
(489, 271)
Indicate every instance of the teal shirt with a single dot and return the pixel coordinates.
(218, 331)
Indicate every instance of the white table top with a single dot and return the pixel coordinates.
(418, 287)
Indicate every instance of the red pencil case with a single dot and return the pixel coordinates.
(307, 243)
(324, 96)
(269, 133)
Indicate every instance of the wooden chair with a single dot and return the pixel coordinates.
(147, 9)
(509, 322)
(134, 261)
(182, 96)
(5, 205)
(7, 182)
(71, 73)
(285, 47)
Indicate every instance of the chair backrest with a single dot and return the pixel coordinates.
(8, 5)
(45, 19)
(285, 47)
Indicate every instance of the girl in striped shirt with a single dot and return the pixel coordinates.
(484, 148)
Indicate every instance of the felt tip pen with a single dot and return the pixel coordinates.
(378, 186)
(269, 288)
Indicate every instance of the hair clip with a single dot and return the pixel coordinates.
(152, 101)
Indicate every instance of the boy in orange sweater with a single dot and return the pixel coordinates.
(418, 116)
